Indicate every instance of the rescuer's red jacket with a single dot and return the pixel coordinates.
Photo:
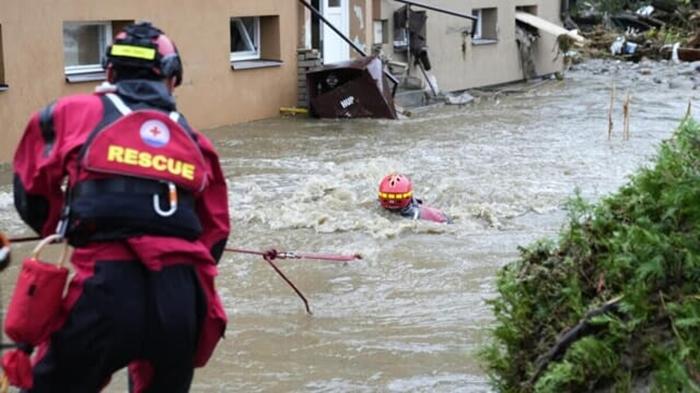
(50, 160)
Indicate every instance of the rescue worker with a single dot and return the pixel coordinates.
(396, 195)
(145, 207)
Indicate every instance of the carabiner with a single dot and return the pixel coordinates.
(172, 194)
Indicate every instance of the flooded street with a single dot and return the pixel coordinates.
(411, 314)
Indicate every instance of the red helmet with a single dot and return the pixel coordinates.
(144, 46)
(395, 191)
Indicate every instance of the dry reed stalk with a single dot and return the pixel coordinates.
(626, 114)
(610, 111)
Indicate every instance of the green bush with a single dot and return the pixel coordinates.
(624, 274)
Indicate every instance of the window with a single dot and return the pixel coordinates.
(245, 38)
(381, 31)
(530, 9)
(84, 44)
(486, 26)
(255, 42)
(3, 84)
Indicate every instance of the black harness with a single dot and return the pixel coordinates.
(118, 207)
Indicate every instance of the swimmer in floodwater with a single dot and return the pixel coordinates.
(396, 195)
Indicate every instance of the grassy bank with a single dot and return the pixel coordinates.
(614, 302)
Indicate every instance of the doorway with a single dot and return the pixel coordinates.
(335, 49)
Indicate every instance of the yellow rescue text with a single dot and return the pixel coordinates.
(142, 159)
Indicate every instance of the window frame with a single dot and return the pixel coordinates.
(380, 26)
(104, 41)
(478, 13)
(254, 41)
(478, 38)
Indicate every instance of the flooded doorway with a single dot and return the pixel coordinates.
(335, 49)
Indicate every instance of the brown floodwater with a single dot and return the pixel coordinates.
(412, 314)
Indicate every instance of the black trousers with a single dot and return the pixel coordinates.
(126, 313)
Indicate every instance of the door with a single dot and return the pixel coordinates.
(335, 49)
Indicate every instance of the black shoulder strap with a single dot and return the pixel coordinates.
(183, 122)
(48, 132)
(110, 114)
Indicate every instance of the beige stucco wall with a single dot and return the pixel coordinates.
(211, 95)
(303, 17)
(478, 65)
(360, 14)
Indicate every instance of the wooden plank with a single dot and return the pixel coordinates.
(688, 54)
(547, 26)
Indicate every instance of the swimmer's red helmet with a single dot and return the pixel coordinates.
(395, 191)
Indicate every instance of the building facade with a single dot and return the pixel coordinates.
(245, 59)
(239, 55)
(458, 60)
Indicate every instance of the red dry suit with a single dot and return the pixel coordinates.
(146, 209)
(417, 210)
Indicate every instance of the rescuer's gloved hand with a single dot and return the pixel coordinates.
(4, 252)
